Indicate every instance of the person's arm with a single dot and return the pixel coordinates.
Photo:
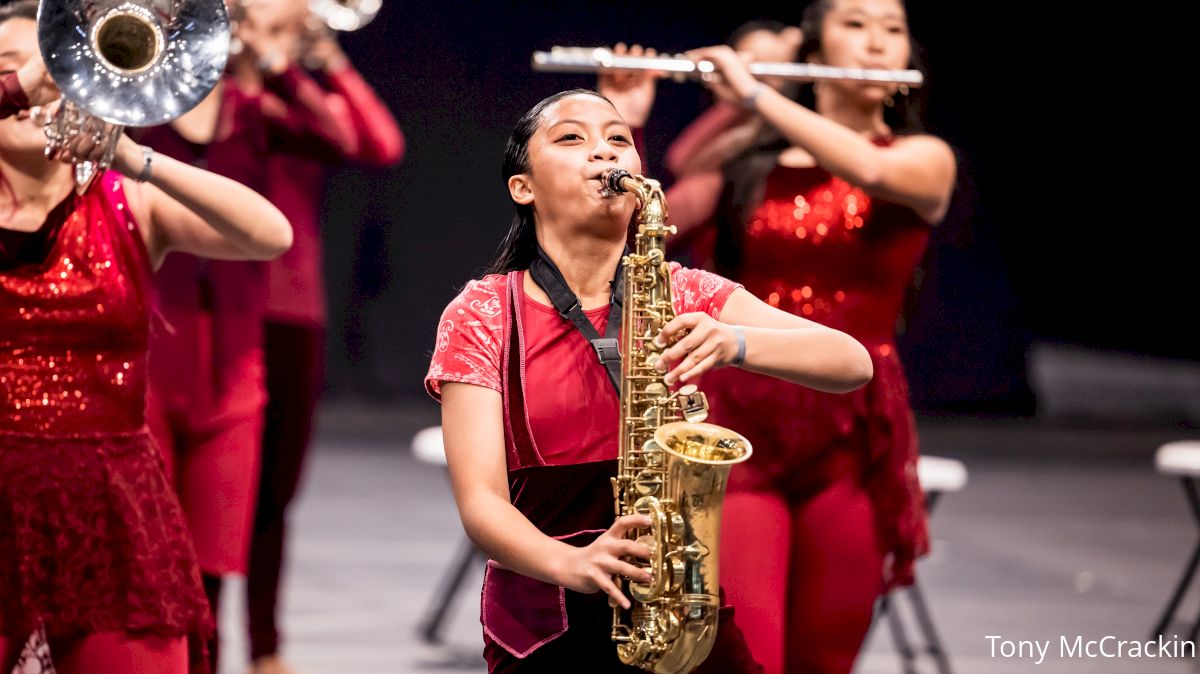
(293, 106)
(916, 171)
(632, 92)
(692, 201)
(185, 208)
(688, 152)
(28, 86)
(473, 434)
(380, 140)
(300, 120)
(777, 343)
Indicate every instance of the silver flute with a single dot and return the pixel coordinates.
(589, 60)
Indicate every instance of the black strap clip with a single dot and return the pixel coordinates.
(608, 349)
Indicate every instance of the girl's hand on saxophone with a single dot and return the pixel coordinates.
(708, 344)
(591, 568)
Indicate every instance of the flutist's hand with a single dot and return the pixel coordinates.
(591, 568)
(37, 84)
(731, 81)
(631, 91)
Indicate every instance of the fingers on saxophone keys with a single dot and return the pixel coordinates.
(635, 573)
(704, 365)
(628, 548)
(626, 523)
(686, 367)
(607, 586)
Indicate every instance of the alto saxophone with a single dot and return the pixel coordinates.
(671, 466)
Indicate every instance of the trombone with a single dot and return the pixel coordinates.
(345, 15)
(588, 60)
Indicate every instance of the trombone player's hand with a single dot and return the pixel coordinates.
(91, 141)
(37, 84)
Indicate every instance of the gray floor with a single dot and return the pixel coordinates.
(1060, 532)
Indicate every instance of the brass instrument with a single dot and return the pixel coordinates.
(589, 60)
(671, 466)
(345, 15)
(127, 63)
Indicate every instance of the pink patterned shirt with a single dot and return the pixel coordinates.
(571, 404)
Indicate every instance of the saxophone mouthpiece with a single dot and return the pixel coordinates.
(613, 180)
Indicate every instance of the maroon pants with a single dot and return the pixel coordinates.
(295, 375)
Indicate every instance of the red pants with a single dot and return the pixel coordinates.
(210, 434)
(803, 574)
(108, 653)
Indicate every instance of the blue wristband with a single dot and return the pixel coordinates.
(741, 351)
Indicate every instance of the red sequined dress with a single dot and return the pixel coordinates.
(822, 249)
(92, 538)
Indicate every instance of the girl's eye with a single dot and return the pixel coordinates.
(570, 136)
(620, 138)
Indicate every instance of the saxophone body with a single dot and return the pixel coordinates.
(671, 466)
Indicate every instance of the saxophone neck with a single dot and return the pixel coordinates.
(651, 215)
(652, 208)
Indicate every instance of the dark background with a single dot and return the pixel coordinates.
(1064, 229)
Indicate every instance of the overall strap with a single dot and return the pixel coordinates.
(608, 348)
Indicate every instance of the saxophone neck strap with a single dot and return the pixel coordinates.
(608, 347)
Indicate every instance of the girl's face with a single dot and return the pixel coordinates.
(578, 139)
(866, 34)
(19, 133)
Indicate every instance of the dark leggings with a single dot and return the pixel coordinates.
(295, 375)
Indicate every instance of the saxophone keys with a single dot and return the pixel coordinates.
(694, 406)
(648, 482)
(652, 454)
(656, 389)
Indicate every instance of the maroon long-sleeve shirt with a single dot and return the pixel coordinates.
(296, 186)
(228, 299)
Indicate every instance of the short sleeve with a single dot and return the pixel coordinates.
(468, 347)
(699, 290)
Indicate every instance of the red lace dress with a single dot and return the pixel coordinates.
(92, 538)
(821, 249)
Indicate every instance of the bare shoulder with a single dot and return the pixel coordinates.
(926, 144)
